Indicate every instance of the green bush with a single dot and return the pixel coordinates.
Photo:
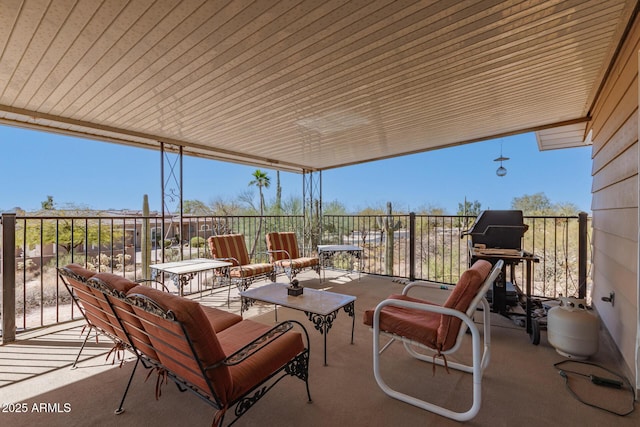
(197, 242)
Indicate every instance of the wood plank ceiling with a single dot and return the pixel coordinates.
(306, 85)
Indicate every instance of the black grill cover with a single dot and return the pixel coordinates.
(498, 229)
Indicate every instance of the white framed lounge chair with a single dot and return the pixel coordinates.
(440, 329)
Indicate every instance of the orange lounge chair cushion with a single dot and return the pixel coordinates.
(460, 299)
(416, 325)
(115, 283)
(81, 271)
(250, 270)
(173, 350)
(261, 364)
(90, 299)
(220, 319)
(299, 263)
(432, 329)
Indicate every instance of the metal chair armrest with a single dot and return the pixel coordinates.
(143, 281)
(259, 343)
(278, 251)
(228, 259)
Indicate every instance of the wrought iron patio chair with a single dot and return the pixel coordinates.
(232, 248)
(285, 255)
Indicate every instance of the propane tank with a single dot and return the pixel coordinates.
(572, 329)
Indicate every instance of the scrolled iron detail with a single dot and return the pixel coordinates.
(246, 403)
(321, 322)
(299, 366)
(350, 309)
(149, 305)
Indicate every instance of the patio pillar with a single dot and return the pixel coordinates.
(171, 195)
(412, 246)
(311, 210)
(582, 255)
(8, 308)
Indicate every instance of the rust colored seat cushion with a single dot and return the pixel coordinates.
(172, 347)
(416, 325)
(299, 263)
(229, 246)
(232, 247)
(432, 329)
(250, 270)
(263, 363)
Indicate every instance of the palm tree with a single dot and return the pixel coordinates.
(261, 180)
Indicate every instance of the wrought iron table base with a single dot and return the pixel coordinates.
(321, 322)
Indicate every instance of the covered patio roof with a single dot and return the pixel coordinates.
(307, 85)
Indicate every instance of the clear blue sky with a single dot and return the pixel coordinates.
(101, 175)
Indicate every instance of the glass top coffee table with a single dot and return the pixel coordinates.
(321, 307)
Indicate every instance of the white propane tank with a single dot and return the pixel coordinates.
(572, 329)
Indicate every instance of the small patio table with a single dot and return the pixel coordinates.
(321, 307)
(181, 272)
(327, 252)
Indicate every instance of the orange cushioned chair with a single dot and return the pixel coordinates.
(420, 324)
(232, 248)
(233, 366)
(285, 256)
(89, 302)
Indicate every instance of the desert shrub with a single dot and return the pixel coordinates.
(197, 242)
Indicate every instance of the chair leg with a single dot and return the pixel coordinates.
(476, 370)
(126, 390)
(91, 327)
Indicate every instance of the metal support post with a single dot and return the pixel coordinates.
(582, 255)
(8, 308)
(412, 246)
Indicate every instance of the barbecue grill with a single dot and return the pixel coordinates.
(494, 233)
(498, 229)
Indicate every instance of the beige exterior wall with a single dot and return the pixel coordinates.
(615, 202)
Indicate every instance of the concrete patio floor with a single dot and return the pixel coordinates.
(521, 386)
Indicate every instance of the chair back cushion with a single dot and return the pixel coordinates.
(120, 285)
(175, 350)
(229, 246)
(89, 298)
(463, 293)
(282, 241)
(81, 271)
(129, 323)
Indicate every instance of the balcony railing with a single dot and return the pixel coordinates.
(414, 247)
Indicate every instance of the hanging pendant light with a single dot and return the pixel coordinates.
(501, 171)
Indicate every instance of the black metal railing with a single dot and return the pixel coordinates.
(411, 246)
(431, 247)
